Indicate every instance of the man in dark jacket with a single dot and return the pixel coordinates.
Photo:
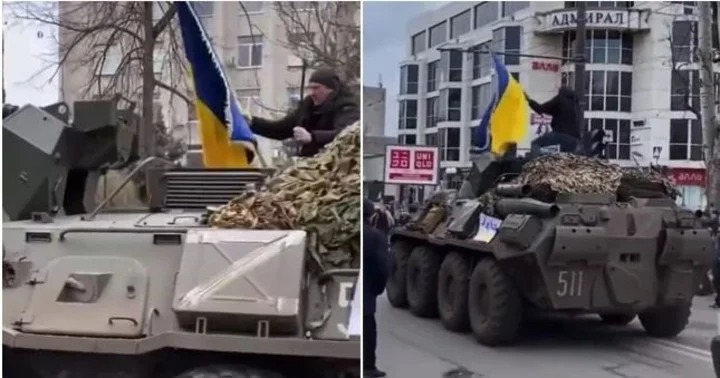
(375, 274)
(564, 109)
(329, 107)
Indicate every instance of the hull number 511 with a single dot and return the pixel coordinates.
(570, 283)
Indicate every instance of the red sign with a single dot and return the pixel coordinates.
(688, 176)
(411, 165)
(538, 65)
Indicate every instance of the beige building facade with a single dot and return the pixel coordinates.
(264, 73)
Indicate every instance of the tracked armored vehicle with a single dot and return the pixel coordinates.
(93, 292)
(484, 266)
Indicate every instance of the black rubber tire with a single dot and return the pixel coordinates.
(422, 273)
(500, 322)
(229, 371)
(452, 292)
(667, 321)
(396, 287)
(617, 319)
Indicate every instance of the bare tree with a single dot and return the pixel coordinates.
(116, 43)
(324, 34)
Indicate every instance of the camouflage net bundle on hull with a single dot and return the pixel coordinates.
(549, 175)
(320, 195)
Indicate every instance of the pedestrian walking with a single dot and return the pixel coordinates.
(375, 274)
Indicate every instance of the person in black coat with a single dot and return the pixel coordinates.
(376, 267)
(564, 109)
(327, 110)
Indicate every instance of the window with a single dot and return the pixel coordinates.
(481, 61)
(293, 95)
(460, 24)
(408, 114)
(203, 8)
(432, 71)
(449, 143)
(111, 64)
(512, 45)
(251, 7)
(607, 90)
(454, 104)
(684, 41)
(684, 90)
(408, 139)
(481, 97)
(619, 131)
(686, 140)
(250, 50)
(431, 112)
(485, 13)
(249, 100)
(409, 79)
(418, 43)
(159, 59)
(509, 8)
(516, 75)
(438, 34)
(604, 47)
(688, 6)
(507, 40)
(453, 60)
(431, 139)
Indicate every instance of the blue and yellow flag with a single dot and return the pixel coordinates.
(507, 119)
(227, 141)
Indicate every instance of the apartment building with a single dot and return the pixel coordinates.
(264, 73)
(632, 90)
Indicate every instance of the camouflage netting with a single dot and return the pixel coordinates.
(320, 195)
(549, 175)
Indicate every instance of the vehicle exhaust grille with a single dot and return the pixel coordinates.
(190, 189)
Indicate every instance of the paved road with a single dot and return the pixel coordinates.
(410, 347)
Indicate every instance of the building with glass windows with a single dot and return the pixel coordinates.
(641, 79)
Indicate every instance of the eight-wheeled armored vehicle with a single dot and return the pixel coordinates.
(579, 254)
(96, 292)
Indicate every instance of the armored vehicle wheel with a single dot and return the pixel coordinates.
(422, 278)
(396, 287)
(617, 319)
(495, 307)
(666, 321)
(229, 371)
(452, 292)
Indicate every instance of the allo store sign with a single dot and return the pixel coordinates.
(538, 65)
(628, 19)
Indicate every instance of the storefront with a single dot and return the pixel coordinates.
(691, 184)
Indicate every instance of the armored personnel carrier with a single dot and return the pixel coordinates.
(485, 265)
(93, 292)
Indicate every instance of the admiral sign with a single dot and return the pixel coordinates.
(627, 19)
(415, 165)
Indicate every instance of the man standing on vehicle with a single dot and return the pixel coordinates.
(375, 274)
(329, 107)
(565, 131)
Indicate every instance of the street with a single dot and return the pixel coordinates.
(554, 347)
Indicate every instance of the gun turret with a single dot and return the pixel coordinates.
(48, 161)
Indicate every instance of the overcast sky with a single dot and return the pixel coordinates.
(384, 45)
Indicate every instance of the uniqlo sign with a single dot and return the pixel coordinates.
(416, 165)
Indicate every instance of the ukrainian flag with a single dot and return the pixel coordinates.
(227, 141)
(508, 117)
